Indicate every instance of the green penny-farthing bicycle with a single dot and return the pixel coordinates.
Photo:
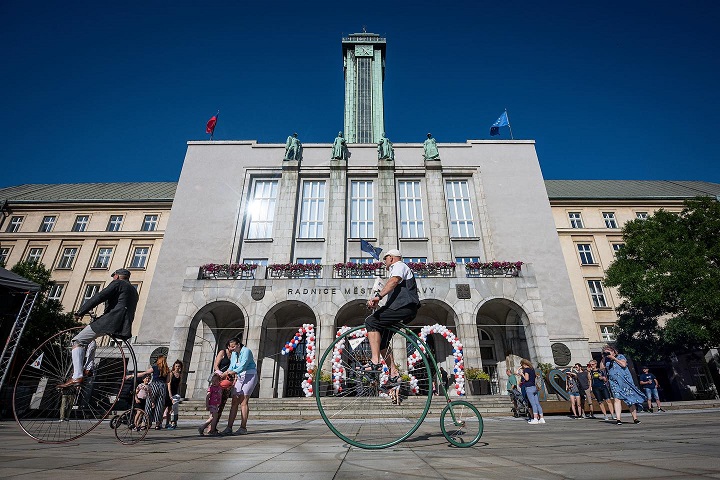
(367, 410)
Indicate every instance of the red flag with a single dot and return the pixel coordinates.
(210, 128)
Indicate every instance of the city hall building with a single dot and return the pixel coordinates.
(278, 206)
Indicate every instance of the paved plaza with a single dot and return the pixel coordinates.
(676, 444)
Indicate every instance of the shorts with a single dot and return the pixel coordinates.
(213, 408)
(601, 393)
(587, 394)
(574, 394)
(141, 404)
(383, 318)
(652, 394)
(245, 383)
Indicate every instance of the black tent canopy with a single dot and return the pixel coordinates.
(13, 280)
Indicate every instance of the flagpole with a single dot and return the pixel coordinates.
(509, 126)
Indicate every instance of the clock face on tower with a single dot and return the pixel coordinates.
(363, 50)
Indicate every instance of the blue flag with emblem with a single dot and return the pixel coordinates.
(502, 121)
(367, 247)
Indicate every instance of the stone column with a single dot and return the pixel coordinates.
(336, 215)
(468, 334)
(437, 231)
(386, 224)
(285, 211)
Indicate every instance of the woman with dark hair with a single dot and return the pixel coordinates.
(244, 367)
(220, 366)
(173, 391)
(621, 382)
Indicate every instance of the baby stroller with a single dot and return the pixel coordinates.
(520, 405)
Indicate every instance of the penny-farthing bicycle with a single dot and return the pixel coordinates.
(367, 410)
(54, 415)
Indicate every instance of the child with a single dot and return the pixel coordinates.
(141, 394)
(212, 403)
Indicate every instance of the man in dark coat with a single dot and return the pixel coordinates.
(120, 299)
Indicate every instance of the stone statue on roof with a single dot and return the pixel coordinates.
(430, 147)
(293, 148)
(385, 149)
(339, 148)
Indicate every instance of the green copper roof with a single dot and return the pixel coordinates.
(90, 192)
(628, 189)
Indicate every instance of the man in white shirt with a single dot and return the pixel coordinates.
(401, 307)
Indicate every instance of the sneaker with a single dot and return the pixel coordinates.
(587, 415)
(201, 429)
(228, 431)
(533, 421)
(592, 416)
(614, 417)
(618, 422)
(660, 410)
(636, 421)
(607, 418)
(542, 420)
(241, 431)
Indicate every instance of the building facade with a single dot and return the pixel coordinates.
(83, 232)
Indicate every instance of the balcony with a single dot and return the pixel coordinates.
(225, 271)
(492, 269)
(432, 269)
(358, 270)
(294, 270)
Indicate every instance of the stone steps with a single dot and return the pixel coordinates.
(306, 408)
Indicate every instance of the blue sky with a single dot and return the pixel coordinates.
(100, 92)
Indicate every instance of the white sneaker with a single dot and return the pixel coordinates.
(241, 431)
(607, 417)
(534, 421)
(542, 420)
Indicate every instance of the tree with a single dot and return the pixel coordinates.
(668, 274)
(47, 317)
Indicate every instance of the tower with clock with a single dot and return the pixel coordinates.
(364, 65)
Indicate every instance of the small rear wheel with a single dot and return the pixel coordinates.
(131, 426)
(53, 415)
(461, 423)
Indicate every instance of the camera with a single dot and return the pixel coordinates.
(606, 354)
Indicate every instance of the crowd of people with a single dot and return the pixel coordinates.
(608, 383)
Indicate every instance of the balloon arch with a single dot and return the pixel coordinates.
(337, 369)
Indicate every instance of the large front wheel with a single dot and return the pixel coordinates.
(461, 423)
(365, 408)
(53, 415)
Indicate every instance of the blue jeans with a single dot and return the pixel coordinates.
(534, 399)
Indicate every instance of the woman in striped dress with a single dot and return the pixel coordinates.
(155, 403)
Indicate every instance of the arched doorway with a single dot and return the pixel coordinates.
(433, 312)
(282, 375)
(501, 332)
(210, 329)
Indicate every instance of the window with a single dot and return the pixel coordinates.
(261, 262)
(67, 258)
(606, 333)
(4, 254)
(140, 257)
(14, 224)
(610, 221)
(81, 223)
(585, 252)
(47, 224)
(313, 209)
(641, 215)
(90, 290)
(150, 223)
(414, 259)
(114, 223)
(308, 261)
(597, 294)
(575, 220)
(261, 209)
(362, 209)
(56, 291)
(617, 246)
(411, 214)
(103, 258)
(459, 211)
(34, 255)
(136, 286)
(362, 260)
(464, 260)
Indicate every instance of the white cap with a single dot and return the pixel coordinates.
(394, 252)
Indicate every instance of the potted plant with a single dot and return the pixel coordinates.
(325, 383)
(478, 381)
